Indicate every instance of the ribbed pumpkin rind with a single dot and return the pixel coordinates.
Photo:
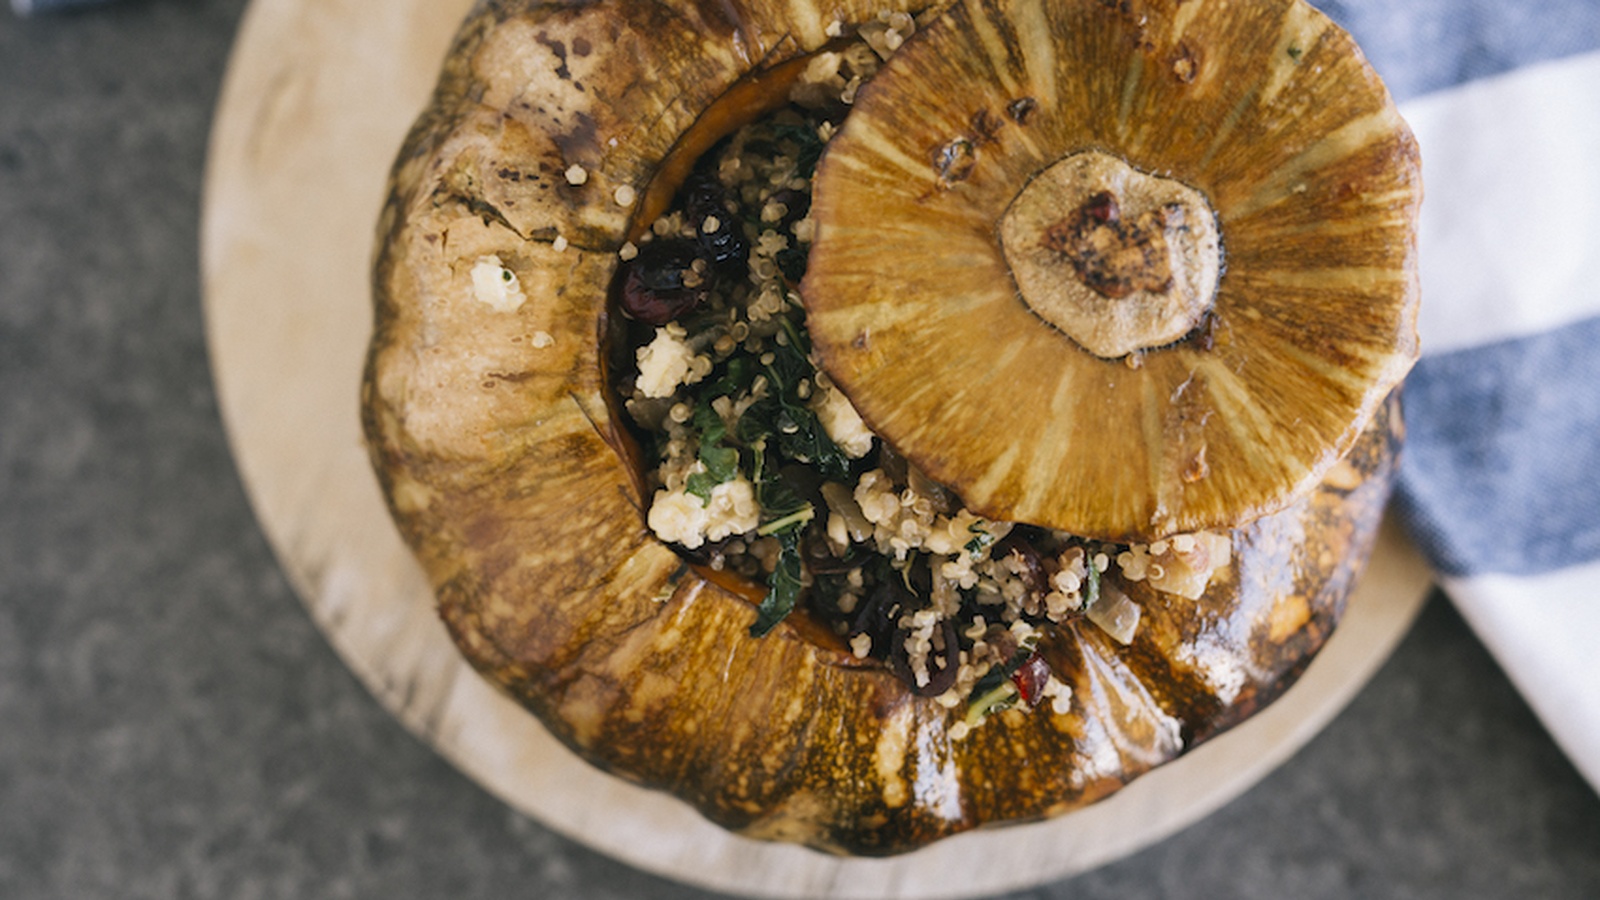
(513, 481)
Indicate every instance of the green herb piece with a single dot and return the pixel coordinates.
(905, 573)
(736, 376)
(990, 689)
(721, 463)
(1295, 53)
(1000, 697)
(801, 437)
(799, 341)
(708, 424)
(758, 421)
(783, 588)
(981, 540)
(797, 433)
(776, 496)
(996, 676)
(1091, 581)
(700, 484)
(788, 523)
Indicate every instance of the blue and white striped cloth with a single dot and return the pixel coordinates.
(1501, 479)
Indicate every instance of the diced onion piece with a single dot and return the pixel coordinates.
(1114, 613)
(842, 501)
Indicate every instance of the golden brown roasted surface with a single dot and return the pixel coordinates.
(493, 434)
(1268, 110)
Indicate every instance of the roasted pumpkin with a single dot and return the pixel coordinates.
(1124, 268)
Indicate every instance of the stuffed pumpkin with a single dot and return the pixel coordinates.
(868, 422)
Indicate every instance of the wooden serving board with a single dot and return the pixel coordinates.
(318, 96)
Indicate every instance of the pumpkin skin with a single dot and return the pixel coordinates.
(511, 475)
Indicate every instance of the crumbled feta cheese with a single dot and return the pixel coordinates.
(577, 175)
(541, 340)
(682, 518)
(496, 286)
(559, 244)
(841, 421)
(733, 509)
(624, 195)
(663, 364)
(678, 517)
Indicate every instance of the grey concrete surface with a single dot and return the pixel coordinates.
(173, 726)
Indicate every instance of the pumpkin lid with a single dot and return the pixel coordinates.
(1097, 273)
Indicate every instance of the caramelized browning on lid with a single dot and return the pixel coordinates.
(1057, 356)
(1119, 260)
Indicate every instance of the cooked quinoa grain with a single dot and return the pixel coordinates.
(761, 467)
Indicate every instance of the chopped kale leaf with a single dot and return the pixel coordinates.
(784, 587)
(808, 146)
(721, 463)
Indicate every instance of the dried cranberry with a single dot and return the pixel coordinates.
(1032, 573)
(656, 286)
(704, 198)
(1031, 677)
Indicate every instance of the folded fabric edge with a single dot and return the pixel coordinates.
(1541, 628)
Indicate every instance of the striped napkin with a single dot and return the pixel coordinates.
(1501, 481)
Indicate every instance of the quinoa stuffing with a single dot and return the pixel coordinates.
(760, 467)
